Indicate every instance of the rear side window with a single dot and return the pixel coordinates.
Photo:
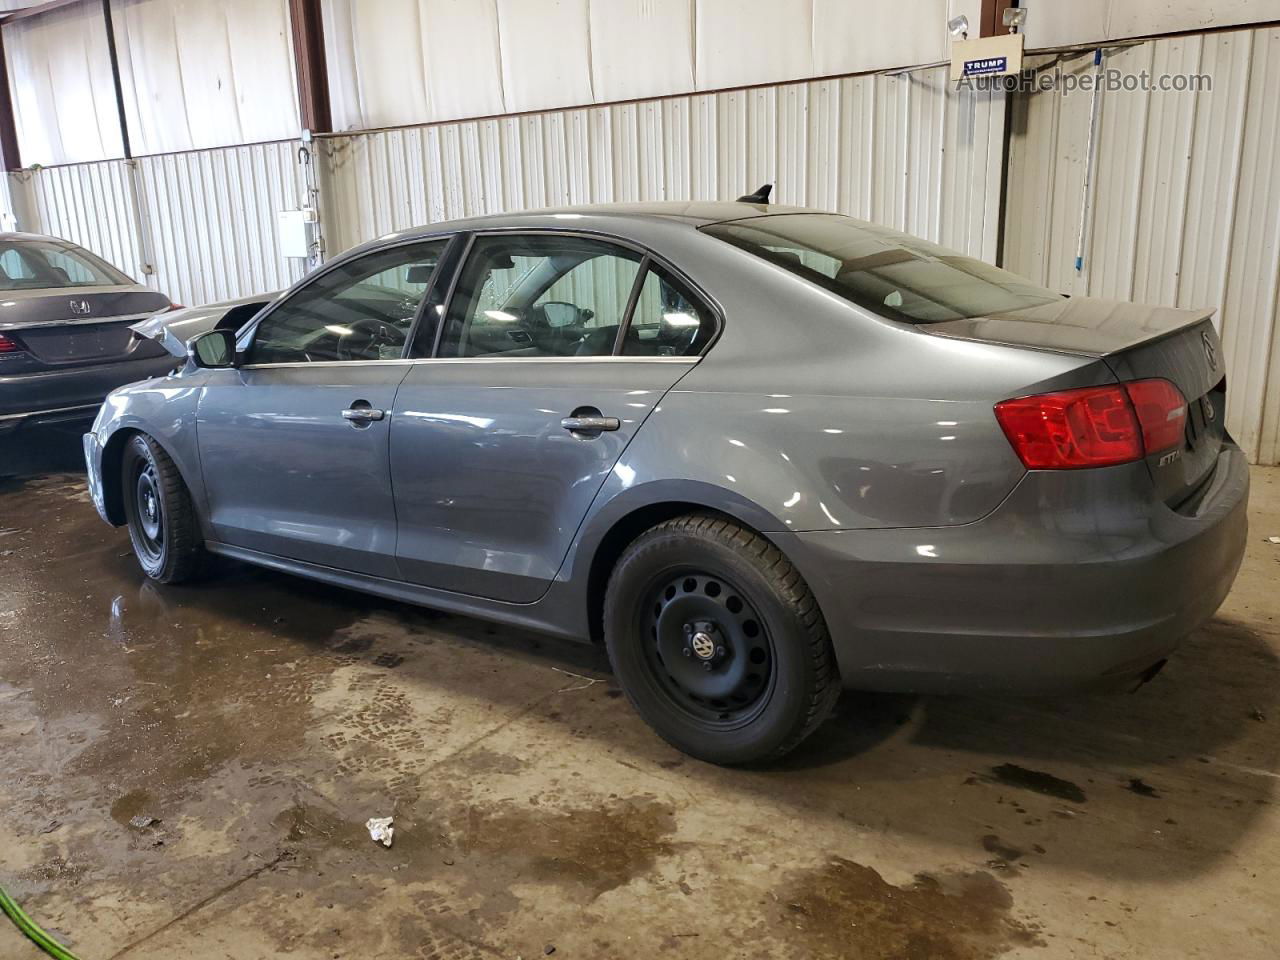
(36, 265)
(538, 296)
(893, 274)
(668, 320)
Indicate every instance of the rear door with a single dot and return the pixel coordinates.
(540, 379)
(293, 444)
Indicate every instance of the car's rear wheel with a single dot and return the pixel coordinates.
(718, 642)
(162, 522)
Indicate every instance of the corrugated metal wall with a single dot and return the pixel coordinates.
(199, 226)
(212, 216)
(1185, 207)
(905, 150)
(92, 204)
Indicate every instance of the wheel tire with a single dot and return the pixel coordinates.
(725, 578)
(162, 521)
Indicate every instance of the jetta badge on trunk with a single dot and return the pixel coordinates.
(1210, 351)
(80, 307)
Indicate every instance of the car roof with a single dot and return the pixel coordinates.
(696, 212)
(10, 237)
(691, 214)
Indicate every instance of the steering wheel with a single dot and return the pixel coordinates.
(367, 338)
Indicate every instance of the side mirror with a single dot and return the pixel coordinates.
(213, 349)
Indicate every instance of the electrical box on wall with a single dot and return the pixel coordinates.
(297, 231)
(987, 57)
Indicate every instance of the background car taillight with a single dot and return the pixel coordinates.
(10, 345)
(1094, 426)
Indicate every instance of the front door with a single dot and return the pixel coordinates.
(502, 440)
(294, 442)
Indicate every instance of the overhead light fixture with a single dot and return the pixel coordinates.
(1014, 18)
(959, 27)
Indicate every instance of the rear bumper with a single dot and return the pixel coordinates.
(1067, 585)
(72, 394)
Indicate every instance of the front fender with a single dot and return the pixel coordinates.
(164, 409)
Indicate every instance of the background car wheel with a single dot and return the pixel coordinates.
(718, 642)
(162, 522)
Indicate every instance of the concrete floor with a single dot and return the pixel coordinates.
(261, 720)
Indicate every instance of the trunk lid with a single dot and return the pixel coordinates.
(80, 325)
(1136, 342)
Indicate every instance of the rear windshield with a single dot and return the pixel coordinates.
(893, 274)
(37, 265)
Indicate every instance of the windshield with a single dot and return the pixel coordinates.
(38, 265)
(893, 274)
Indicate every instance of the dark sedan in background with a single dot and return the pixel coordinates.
(65, 341)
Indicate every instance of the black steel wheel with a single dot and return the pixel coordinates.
(710, 651)
(163, 528)
(718, 642)
(148, 508)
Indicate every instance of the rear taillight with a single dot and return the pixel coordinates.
(9, 345)
(1094, 426)
(1162, 411)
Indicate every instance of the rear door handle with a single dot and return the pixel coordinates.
(590, 424)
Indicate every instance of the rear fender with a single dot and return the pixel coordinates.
(619, 515)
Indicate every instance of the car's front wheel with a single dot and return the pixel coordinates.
(718, 642)
(162, 521)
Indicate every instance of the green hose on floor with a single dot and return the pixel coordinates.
(29, 927)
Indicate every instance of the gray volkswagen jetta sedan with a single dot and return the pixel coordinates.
(761, 453)
(65, 340)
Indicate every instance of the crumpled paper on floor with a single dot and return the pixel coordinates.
(381, 830)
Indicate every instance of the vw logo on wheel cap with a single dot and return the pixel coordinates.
(703, 646)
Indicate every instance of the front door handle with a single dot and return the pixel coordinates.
(590, 424)
(361, 414)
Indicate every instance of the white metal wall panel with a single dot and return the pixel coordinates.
(546, 54)
(213, 220)
(92, 204)
(626, 34)
(404, 62)
(908, 151)
(64, 102)
(204, 73)
(739, 43)
(1249, 309)
(1052, 23)
(1185, 207)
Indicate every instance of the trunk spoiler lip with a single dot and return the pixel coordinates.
(1124, 326)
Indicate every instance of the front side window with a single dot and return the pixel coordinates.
(361, 310)
(540, 296)
(890, 273)
(37, 265)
